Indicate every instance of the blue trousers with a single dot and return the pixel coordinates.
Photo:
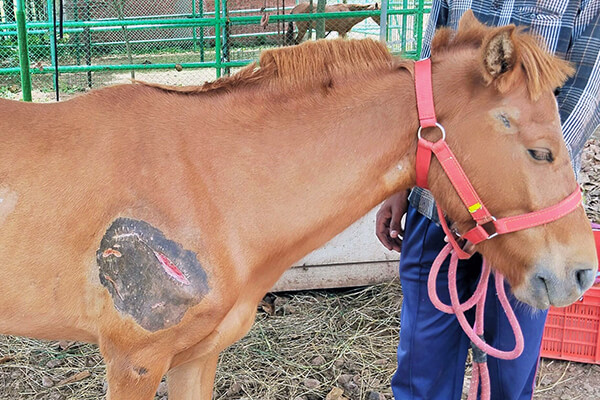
(433, 348)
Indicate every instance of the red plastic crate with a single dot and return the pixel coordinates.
(573, 333)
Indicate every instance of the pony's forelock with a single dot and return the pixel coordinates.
(543, 71)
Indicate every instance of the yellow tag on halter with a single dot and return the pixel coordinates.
(474, 207)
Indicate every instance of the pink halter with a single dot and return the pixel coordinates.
(483, 219)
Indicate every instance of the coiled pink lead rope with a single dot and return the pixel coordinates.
(480, 348)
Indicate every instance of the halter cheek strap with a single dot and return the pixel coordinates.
(427, 118)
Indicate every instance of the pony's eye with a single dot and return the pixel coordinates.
(541, 155)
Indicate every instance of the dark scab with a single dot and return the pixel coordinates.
(141, 371)
(504, 119)
(151, 278)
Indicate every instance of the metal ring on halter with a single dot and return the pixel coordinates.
(436, 124)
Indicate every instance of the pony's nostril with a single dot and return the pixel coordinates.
(585, 278)
(540, 282)
(560, 291)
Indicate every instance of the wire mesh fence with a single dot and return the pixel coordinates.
(93, 43)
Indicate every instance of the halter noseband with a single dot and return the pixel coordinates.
(483, 218)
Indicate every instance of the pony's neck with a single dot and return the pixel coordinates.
(317, 164)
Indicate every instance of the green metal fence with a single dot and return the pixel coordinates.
(179, 42)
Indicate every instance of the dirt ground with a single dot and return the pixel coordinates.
(303, 346)
(314, 345)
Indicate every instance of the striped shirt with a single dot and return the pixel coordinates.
(571, 29)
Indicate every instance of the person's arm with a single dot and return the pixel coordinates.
(579, 98)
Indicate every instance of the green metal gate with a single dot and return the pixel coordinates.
(179, 42)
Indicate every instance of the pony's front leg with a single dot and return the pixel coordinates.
(126, 383)
(193, 380)
(132, 372)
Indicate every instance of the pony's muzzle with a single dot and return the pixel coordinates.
(549, 289)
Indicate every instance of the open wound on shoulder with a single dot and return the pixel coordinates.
(149, 277)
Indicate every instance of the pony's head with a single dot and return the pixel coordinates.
(502, 122)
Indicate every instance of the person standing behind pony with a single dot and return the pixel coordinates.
(433, 348)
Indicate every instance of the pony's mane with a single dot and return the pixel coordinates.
(542, 70)
(316, 63)
(313, 63)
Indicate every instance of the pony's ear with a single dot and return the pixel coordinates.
(470, 31)
(499, 57)
(468, 21)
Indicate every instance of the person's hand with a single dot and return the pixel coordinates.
(387, 222)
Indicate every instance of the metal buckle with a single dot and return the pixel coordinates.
(437, 124)
(460, 242)
(488, 231)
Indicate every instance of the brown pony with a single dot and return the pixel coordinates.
(341, 25)
(151, 220)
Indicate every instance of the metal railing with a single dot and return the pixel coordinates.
(209, 39)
